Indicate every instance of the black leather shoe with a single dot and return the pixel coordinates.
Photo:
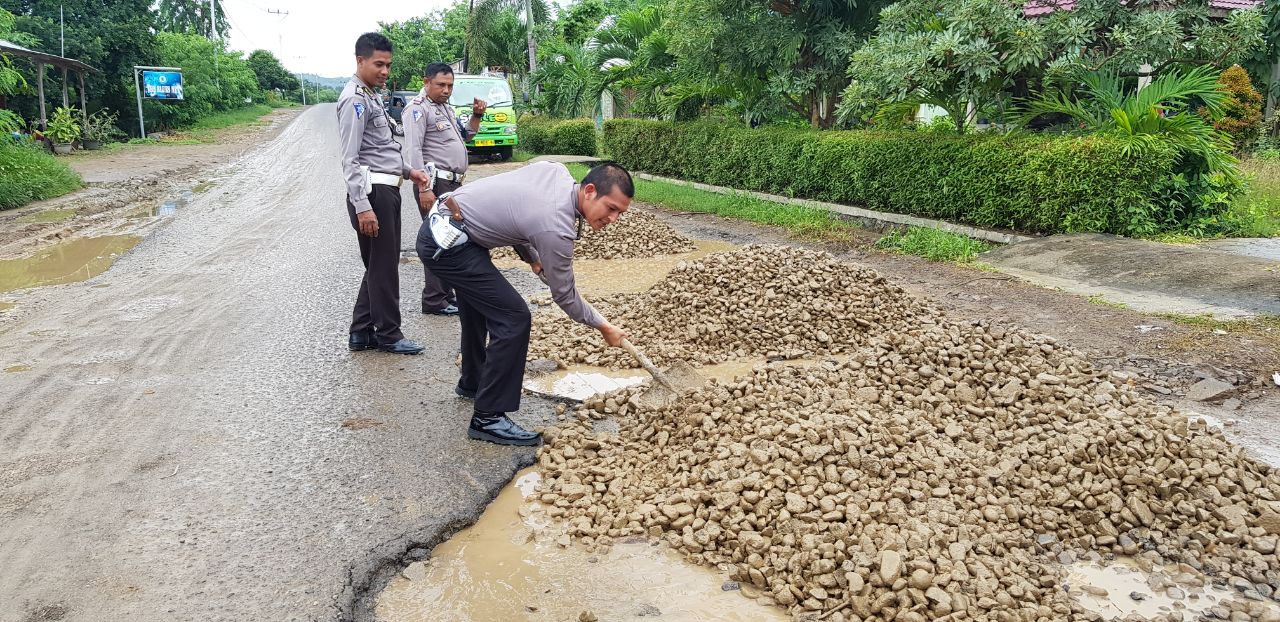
(361, 341)
(469, 394)
(448, 310)
(497, 428)
(404, 346)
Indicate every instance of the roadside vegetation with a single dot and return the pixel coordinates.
(933, 244)
(28, 173)
(798, 220)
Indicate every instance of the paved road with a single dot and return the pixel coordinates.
(177, 451)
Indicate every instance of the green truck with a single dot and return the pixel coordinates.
(497, 135)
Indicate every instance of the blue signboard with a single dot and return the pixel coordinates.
(162, 84)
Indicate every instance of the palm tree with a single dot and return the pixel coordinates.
(492, 18)
(1160, 115)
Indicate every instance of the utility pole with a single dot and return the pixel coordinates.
(280, 40)
(217, 49)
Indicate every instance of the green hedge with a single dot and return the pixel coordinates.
(29, 174)
(1027, 183)
(557, 136)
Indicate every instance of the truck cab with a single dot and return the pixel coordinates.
(497, 135)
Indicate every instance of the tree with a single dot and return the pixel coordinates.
(636, 52)
(946, 53)
(570, 78)
(492, 28)
(109, 36)
(953, 53)
(1157, 117)
(417, 44)
(580, 21)
(209, 85)
(1241, 116)
(270, 72)
(11, 80)
(190, 17)
(787, 55)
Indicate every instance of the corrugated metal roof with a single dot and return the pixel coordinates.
(1036, 8)
(11, 48)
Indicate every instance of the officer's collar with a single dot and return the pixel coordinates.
(577, 213)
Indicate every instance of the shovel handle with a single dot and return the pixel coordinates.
(646, 363)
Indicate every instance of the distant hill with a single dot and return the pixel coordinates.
(334, 83)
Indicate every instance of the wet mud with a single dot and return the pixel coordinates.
(68, 262)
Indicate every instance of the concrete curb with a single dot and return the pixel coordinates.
(879, 218)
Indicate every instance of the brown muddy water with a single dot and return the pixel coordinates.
(67, 262)
(1110, 590)
(509, 567)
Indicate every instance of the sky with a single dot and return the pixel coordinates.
(318, 36)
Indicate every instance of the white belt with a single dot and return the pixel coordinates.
(449, 175)
(385, 179)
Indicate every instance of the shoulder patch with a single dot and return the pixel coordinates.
(417, 114)
(417, 100)
(359, 109)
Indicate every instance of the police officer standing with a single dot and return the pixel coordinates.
(433, 134)
(540, 210)
(374, 169)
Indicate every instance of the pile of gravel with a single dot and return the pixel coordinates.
(776, 302)
(937, 471)
(635, 235)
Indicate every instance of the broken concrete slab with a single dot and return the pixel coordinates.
(1209, 390)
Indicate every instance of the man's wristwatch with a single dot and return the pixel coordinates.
(477, 114)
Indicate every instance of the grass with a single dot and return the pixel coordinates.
(1097, 299)
(49, 215)
(933, 244)
(29, 174)
(1208, 322)
(798, 220)
(520, 155)
(239, 116)
(1257, 213)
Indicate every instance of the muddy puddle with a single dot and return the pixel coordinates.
(67, 262)
(1122, 588)
(601, 277)
(509, 567)
(5, 306)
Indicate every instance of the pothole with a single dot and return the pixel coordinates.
(67, 262)
(513, 564)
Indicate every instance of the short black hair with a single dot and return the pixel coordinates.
(370, 42)
(608, 176)
(435, 69)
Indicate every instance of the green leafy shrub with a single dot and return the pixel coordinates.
(1241, 116)
(64, 126)
(1036, 183)
(28, 174)
(555, 136)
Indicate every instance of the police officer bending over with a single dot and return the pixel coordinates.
(374, 170)
(539, 210)
(433, 135)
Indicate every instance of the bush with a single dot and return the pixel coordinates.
(558, 136)
(28, 174)
(1029, 183)
(1241, 109)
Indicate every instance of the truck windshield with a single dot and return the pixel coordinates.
(493, 92)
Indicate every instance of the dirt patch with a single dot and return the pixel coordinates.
(128, 183)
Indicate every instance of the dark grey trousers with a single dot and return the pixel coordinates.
(378, 303)
(435, 295)
(490, 308)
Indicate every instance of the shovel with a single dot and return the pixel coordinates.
(667, 386)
